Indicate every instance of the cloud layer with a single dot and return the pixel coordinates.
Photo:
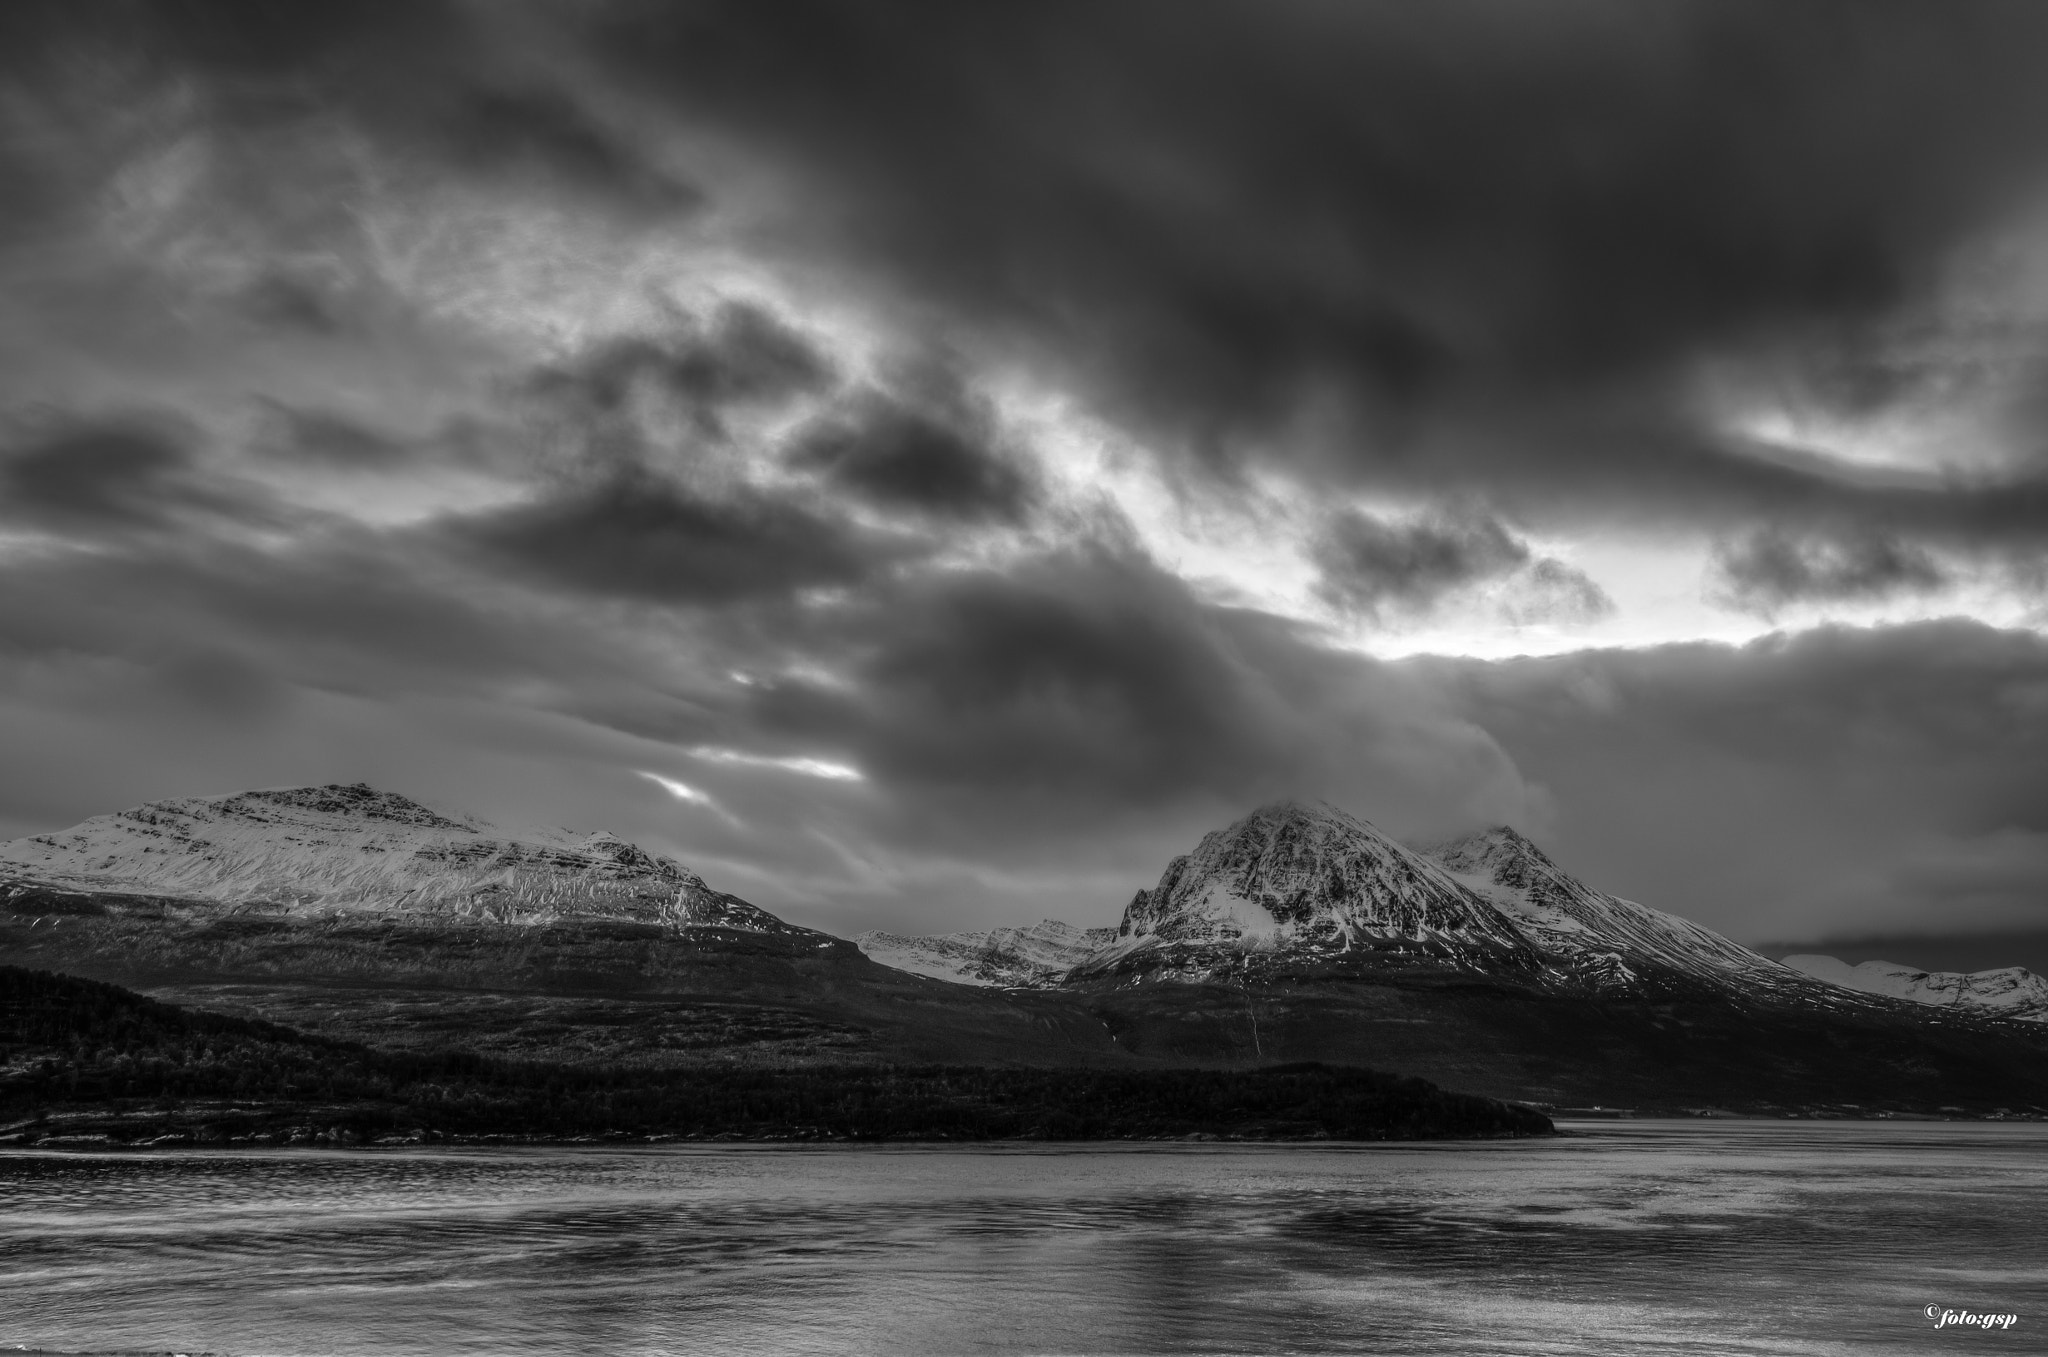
(973, 451)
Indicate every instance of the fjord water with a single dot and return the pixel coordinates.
(1622, 1238)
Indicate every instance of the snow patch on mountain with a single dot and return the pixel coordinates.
(357, 850)
(1007, 958)
(2009, 992)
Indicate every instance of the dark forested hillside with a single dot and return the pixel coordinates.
(81, 1060)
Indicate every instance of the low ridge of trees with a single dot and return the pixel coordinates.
(80, 1052)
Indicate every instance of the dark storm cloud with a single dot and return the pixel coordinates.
(455, 87)
(262, 62)
(1093, 672)
(745, 356)
(1211, 213)
(109, 475)
(1771, 568)
(1478, 252)
(640, 537)
(1634, 468)
(1838, 779)
(1483, 243)
(545, 132)
(1090, 685)
(324, 437)
(354, 40)
(1368, 563)
(183, 666)
(354, 616)
(1791, 530)
(1373, 568)
(294, 304)
(896, 454)
(92, 475)
(626, 526)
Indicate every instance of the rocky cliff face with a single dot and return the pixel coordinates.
(357, 851)
(2010, 991)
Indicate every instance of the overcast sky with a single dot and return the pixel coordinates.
(926, 464)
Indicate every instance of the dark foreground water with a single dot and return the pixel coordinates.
(1626, 1238)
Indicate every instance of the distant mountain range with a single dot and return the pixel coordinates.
(2009, 991)
(1295, 883)
(1298, 933)
(1963, 954)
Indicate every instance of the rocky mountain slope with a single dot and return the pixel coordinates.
(1599, 939)
(2010, 991)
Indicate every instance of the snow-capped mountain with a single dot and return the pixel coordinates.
(2010, 991)
(1308, 882)
(1006, 958)
(369, 917)
(340, 850)
(1304, 880)
(1288, 886)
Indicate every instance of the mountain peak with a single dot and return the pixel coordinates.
(1304, 873)
(1499, 851)
(355, 799)
(1306, 811)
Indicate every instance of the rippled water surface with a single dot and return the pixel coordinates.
(1624, 1238)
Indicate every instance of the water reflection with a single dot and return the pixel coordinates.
(1630, 1238)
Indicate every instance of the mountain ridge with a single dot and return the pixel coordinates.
(344, 849)
(364, 915)
(1297, 934)
(1602, 937)
(1305, 882)
(1308, 882)
(2009, 991)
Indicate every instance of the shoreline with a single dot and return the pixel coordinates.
(88, 1143)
